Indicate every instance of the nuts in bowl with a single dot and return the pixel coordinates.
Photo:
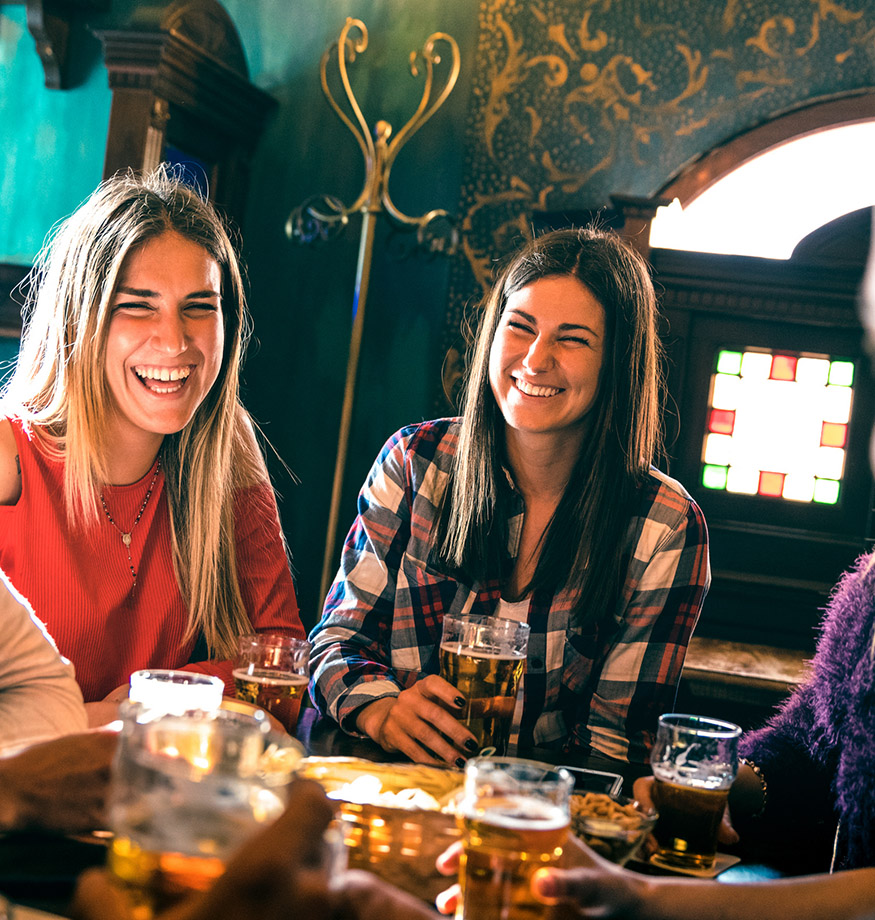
(614, 826)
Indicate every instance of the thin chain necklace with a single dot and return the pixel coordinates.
(126, 537)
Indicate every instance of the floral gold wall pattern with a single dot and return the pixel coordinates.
(575, 100)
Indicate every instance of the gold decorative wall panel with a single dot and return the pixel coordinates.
(575, 100)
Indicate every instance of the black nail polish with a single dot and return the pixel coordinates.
(459, 701)
(460, 762)
(471, 745)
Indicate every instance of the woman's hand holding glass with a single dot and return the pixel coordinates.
(421, 722)
(643, 791)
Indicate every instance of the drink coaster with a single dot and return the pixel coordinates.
(723, 862)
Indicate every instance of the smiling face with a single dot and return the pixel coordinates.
(547, 355)
(164, 341)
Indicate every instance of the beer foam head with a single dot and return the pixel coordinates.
(456, 648)
(273, 678)
(518, 813)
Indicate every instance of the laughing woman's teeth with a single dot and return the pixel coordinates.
(530, 390)
(150, 375)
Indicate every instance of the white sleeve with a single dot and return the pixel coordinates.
(39, 696)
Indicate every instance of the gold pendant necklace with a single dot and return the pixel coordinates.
(126, 536)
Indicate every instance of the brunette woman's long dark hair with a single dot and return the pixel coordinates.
(582, 548)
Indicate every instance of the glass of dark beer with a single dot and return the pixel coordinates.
(271, 672)
(694, 761)
(484, 657)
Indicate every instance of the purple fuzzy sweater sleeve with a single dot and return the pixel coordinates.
(817, 752)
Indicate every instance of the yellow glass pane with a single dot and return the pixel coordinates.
(830, 462)
(755, 365)
(718, 449)
(725, 392)
(837, 404)
(743, 479)
(812, 371)
(799, 487)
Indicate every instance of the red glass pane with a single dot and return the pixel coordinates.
(833, 434)
(722, 421)
(783, 368)
(771, 483)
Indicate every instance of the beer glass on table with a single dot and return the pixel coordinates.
(694, 761)
(272, 672)
(186, 791)
(514, 818)
(483, 658)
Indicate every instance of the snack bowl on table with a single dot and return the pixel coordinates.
(396, 818)
(614, 826)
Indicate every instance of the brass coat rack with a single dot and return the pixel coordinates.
(323, 216)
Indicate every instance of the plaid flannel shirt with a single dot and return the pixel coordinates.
(600, 688)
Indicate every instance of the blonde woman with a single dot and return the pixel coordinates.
(136, 514)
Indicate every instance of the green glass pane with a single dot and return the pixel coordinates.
(826, 491)
(729, 362)
(841, 373)
(714, 477)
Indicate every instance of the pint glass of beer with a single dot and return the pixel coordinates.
(483, 657)
(272, 671)
(694, 762)
(514, 818)
(186, 791)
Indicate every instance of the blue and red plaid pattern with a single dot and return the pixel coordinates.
(599, 688)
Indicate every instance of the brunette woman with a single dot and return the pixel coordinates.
(540, 503)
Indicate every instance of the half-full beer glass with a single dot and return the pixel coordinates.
(187, 790)
(694, 761)
(484, 657)
(514, 818)
(272, 671)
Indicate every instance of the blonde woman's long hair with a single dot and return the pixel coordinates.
(58, 393)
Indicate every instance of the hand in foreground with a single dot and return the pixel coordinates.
(644, 791)
(585, 886)
(419, 723)
(278, 874)
(104, 711)
(58, 785)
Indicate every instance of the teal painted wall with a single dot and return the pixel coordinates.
(559, 104)
(51, 143)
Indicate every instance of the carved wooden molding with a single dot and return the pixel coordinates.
(50, 23)
(180, 85)
(171, 67)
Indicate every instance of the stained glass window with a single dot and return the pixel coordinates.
(778, 425)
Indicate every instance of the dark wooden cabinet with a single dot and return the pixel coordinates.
(181, 93)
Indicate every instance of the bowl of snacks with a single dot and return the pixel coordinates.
(396, 818)
(614, 826)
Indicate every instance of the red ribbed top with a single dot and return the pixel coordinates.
(80, 584)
